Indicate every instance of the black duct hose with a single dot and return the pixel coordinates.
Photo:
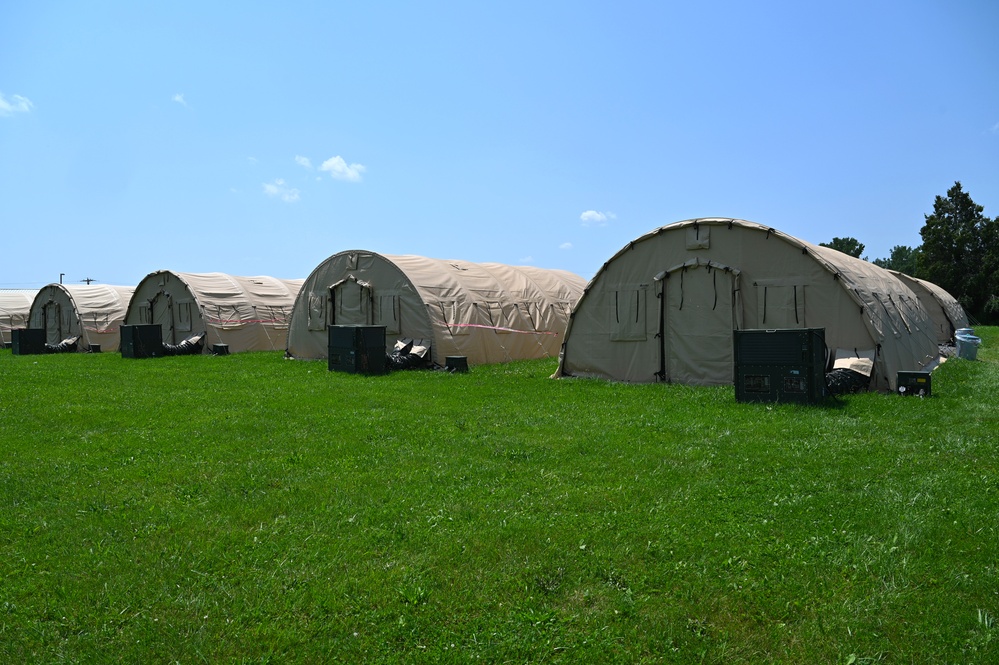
(843, 381)
(404, 358)
(399, 360)
(68, 345)
(191, 346)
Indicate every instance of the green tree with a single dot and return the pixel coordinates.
(990, 268)
(960, 252)
(902, 258)
(847, 245)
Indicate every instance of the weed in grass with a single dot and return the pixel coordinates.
(413, 594)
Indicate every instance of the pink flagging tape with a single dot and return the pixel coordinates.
(525, 332)
(217, 321)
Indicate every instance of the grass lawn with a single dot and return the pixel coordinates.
(251, 509)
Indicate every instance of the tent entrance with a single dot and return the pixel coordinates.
(351, 301)
(52, 316)
(699, 308)
(161, 312)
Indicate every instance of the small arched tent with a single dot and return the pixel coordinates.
(245, 313)
(946, 312)
(15, 306)
(664, 307)
(92, 312)
(487, 312)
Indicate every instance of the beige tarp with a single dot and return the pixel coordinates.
(246, 313)
(946, 312)
(15, 304)
(92, 312)
(487, 312)
(664, 307)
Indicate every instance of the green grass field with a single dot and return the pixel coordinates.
(250, 509)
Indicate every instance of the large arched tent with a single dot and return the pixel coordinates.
(15, 305)
(91, 312)
(487, 312)
(946, 312)
(664, 308)
(245, 313)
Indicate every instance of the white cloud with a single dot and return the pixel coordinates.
(596, 218)
(303, 161)
(252, 160)
(565, 245)
(179, 98)
(340, 170)
(278, 189)
(995, 128)
(16, 104)
(527, 259)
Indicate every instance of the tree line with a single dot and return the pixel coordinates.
(960, 253)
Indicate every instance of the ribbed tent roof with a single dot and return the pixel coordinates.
(437, 279)
(487, 312)
(946, 312)
(246, 313)
(15, 304)
(637, 323)
(93, 312)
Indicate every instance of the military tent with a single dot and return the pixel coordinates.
(487, 312)
(943, 308)
(664, 307)
(15, 305)
(90, 312)
(244, 313)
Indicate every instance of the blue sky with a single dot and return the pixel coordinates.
(259, 138)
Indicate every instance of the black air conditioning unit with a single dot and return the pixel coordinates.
(780, 365)
(27, 341)
(357, 349)
(142, 341)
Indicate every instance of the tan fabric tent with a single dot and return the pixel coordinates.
(15, 305)
(246, 313)
(92, 312)
(946, 312)
(664, 307)
(487, 312)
